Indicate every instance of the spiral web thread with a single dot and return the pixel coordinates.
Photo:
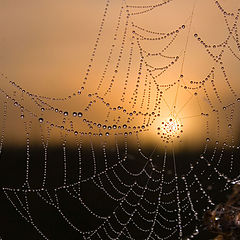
(148, 194)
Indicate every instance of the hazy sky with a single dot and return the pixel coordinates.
(46, 46)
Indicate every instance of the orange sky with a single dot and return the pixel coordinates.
(46, 47)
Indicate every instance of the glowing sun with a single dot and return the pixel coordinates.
(170, 129)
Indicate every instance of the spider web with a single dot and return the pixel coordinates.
(142, 150)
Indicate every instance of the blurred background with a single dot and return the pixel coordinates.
(157, 75)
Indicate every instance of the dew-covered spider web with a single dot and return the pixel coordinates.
(146, 144)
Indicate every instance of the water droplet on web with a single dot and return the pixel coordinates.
(196, 232)
(118, 117)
